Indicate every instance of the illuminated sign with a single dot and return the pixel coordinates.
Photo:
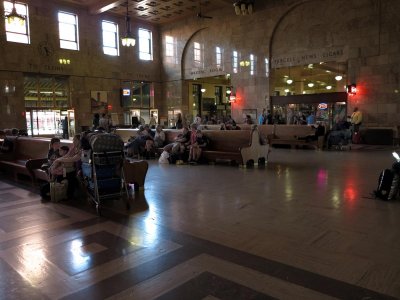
(126, 92)
(322, 106)
(351, 89)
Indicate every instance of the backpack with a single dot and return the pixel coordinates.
(388, 185)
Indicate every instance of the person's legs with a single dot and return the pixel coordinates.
(72, 184)
(197, 154)
(191, 150)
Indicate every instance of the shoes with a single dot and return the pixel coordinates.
(179, 162)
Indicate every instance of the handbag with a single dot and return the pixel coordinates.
(58, 190)
(164, 158)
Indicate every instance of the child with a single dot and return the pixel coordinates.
(63, 150)
(53, 153)
(196, 148)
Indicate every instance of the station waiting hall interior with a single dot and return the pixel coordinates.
(304, 225)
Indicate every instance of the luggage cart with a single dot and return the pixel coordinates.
(102, 170)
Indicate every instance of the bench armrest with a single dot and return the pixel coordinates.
(35, 163)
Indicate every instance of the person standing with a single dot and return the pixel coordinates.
(262, 119)
(356, 120)
(179, 121)
(96, 121)
(64, 124)
(153, 121)
(104, 123)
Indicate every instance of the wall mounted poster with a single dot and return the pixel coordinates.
(98, 101)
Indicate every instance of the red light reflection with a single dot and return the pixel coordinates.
(350, 194)
(322, 177)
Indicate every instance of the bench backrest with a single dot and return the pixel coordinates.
(126, 133)
(290, 131)
(227, 140)
(220, 140)
(29, 147)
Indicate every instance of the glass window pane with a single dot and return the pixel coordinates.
(110, 51)
(67, 32)
(66, 18)
(145, 44)
(146, 95)
(108, 26)
(68, 45)
(17, 38)
(109, 39)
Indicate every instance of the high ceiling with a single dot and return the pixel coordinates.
(155, 11)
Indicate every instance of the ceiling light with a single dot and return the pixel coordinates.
(128, 40)
(289, 81)
(328, 87)
(338, 77)
(287, 90)
(243, 7)
(310, 84)
(203, 90)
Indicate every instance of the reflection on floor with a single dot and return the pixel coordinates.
(304, 227)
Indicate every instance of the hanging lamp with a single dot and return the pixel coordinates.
(14, 17)
(128, 40)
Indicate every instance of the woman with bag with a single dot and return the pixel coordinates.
(67, 165)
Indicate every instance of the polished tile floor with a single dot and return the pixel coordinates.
(303, 227)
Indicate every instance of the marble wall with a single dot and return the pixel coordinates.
(366, 31)
(89, 69)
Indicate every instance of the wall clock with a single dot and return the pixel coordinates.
(46, 49)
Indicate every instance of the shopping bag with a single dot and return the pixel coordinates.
(58, 190)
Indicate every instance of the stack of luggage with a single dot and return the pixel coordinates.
(102, 166)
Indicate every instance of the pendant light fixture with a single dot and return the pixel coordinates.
(14, 17)
(289, 80)
(128, 40)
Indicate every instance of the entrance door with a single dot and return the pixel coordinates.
(71, 123)
(43, 122)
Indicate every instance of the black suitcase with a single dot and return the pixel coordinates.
(388, 185)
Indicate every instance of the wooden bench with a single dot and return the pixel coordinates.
(29, 154)
(224, 144)
(290, 134)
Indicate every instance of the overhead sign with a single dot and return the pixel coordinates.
(322, 106)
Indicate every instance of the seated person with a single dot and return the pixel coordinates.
(197, 147)
(154, 142)
(53, 153)
(159, 137)
(319, 131)
(45, 189)
(181, 140)
(340, 134)
(8, 144)
(136, 144)
(68, 165)
(177, 148)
